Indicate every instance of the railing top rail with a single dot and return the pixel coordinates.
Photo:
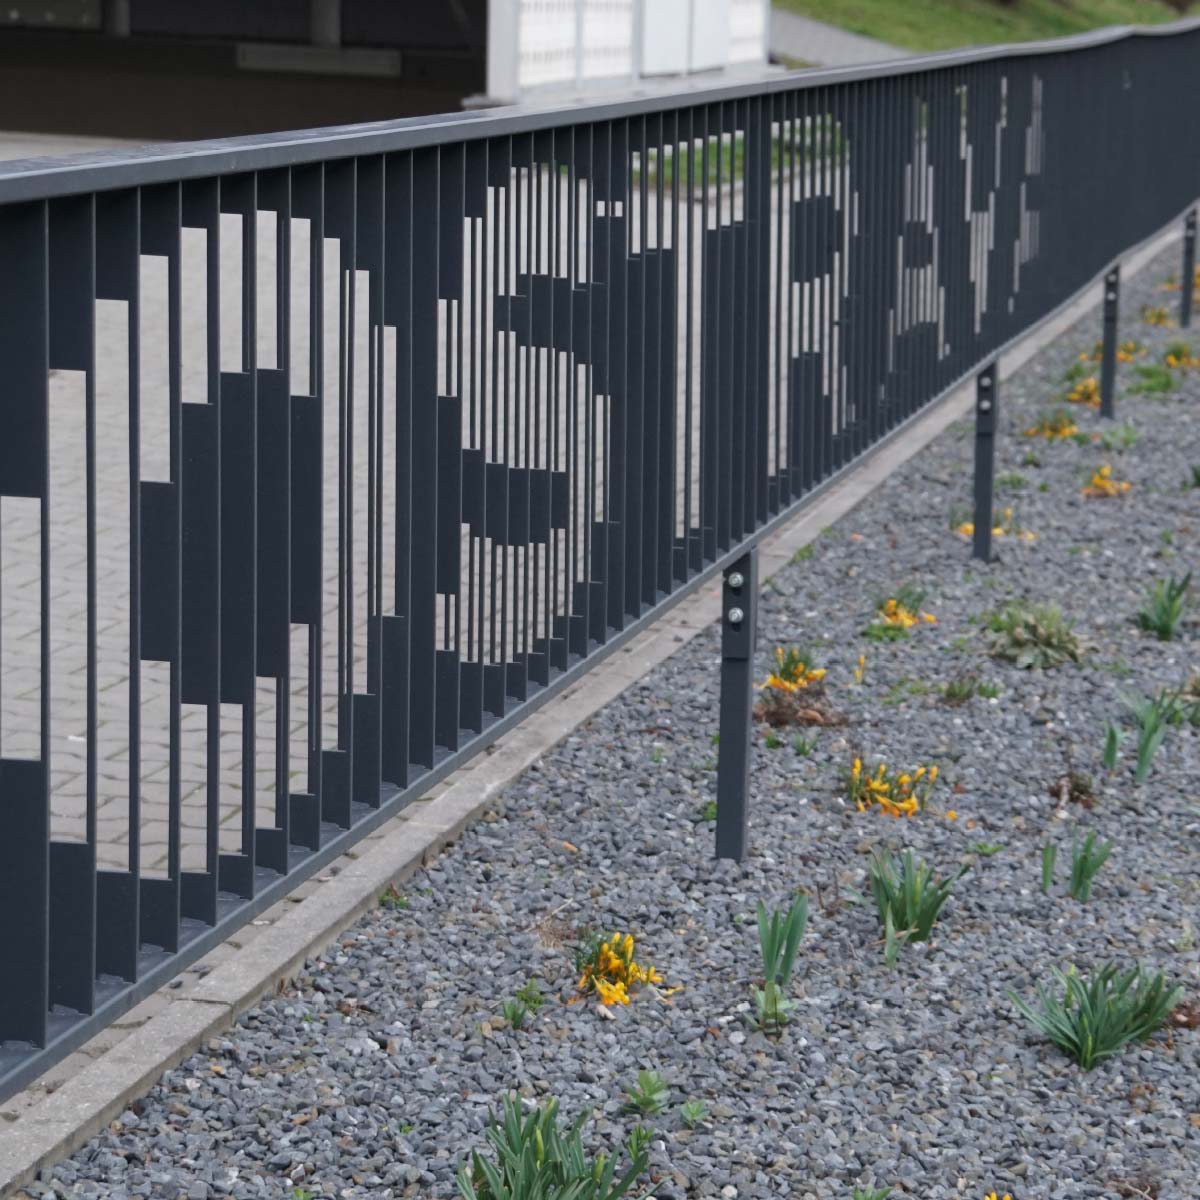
(46, 178)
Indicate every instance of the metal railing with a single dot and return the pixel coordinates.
(326, 457)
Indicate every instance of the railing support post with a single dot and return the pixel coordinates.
(1108, 354)
(1187, 284)
(739, 621)
(986, 400)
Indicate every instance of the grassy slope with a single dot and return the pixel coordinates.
(944, 24)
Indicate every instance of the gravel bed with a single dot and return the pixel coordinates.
(376, 1071)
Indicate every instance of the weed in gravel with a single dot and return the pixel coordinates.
(881, 1193)
(536, 1159)
(1049, 858)
(896, 615)
(779, 936)
(960, 689)
(908, 899)
(1091, 1020)
(1112, 745)
(1120, 438)
(1152, 379)
(649, 1096)
(530, 994)
(1031, 635)
(803, 745)
(1086, 860)
(607, 967)
(1012, 480)
(804, 553)
(897, 793)
(986, 849)
(693, 1113)
(989, 691)
(905, 689)
(1152, 715)
(1164, 607)
(1102, 485)
(391, 898)
(707, 811)
(514, 1013)
(860, 670)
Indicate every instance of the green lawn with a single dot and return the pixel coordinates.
(944, 24)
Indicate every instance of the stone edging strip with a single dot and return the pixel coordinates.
(105, 1079)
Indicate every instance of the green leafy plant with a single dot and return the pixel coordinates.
(779, 936)
(1119, 438)
(1152, 715)
(514, 1013)
(649, 1096)
(989, 691)
(960, 689)
(537, 1159)
(908, 899)
(1032, 635)
(1013, 480)
(707, 811)
(390, 898)
(986, 849)
(693, 1112)
(1049, 857)
(1092, 1020)
(1152, 379)
(803, 745)
(1112, 744)
(1086, 859)
(881, 1193)
(1163, 609)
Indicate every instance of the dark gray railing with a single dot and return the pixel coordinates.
(326, 457)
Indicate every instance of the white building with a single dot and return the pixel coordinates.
(578, 47)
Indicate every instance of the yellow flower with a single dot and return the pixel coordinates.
(1104, 485)
(951, 815)
(611, 993)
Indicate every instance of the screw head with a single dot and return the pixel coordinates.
(985, 405)
(736, 579)
(985, 381)
(736, 616)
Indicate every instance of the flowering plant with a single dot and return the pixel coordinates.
(897, 793)
(607, 967)
(1103, 486)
